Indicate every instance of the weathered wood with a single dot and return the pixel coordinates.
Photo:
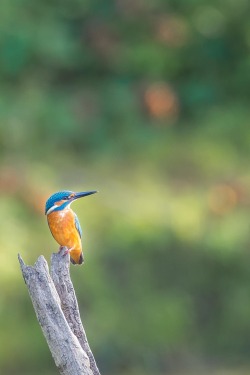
(67, 351)
(60, 265)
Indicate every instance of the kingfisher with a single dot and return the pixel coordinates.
(64, 224)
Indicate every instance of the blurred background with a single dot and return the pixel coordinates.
(146, 101)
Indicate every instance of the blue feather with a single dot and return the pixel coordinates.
(60, 195)
(78, 226)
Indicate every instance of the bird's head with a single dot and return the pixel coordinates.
(61, 199)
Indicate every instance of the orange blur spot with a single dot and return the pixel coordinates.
(222, 199)
(161, 101)
(172, 31)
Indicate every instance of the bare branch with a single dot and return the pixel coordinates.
(69, 354)
(62, 281)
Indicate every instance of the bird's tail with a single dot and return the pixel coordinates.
(76, 257)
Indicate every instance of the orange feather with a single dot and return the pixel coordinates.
(64, 231)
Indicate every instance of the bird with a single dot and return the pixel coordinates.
(64, 224)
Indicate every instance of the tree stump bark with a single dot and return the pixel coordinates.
(55, 304)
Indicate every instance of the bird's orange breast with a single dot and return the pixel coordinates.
(63, 229)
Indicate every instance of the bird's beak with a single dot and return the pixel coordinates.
(84, 194)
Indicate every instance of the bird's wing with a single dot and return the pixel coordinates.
(78, 226)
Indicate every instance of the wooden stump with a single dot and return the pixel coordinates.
(55, 304)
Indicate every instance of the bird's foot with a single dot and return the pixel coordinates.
(64, 250)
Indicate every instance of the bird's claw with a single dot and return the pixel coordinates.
(64, 250)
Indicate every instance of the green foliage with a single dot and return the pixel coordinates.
(145, 101)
